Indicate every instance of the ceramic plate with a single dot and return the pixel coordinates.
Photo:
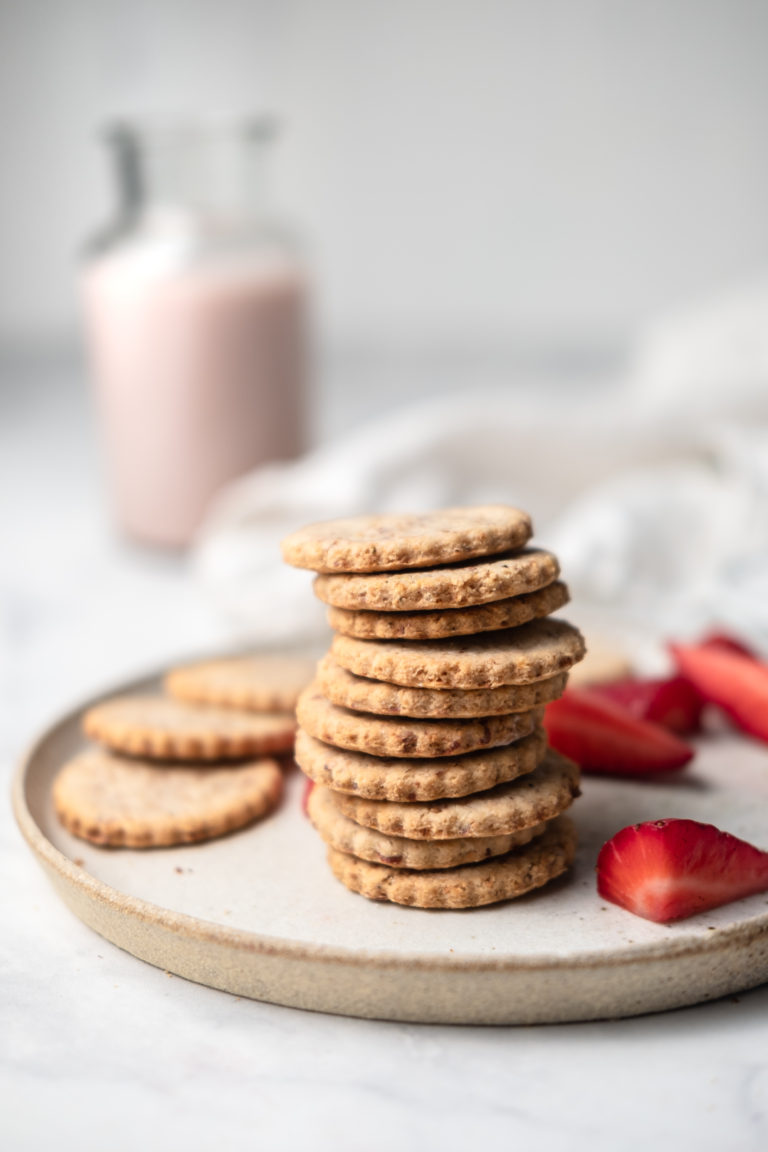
(259, 914)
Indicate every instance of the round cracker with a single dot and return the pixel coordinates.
(536, 797)
(377, 778)
(363, 695)
(387, 542)
(341, 833)
(403, 736)
(509, 613)
(164, 729)
(452, 586)
(468, 886)
(135, 804)
(259, 683)
(534, 651)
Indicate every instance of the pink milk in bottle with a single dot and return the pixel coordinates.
(195, 312)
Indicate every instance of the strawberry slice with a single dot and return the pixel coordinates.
(308, 786)
(724, 642)
(673, 703)
(670, 869)
(603, 736)
(737, 684)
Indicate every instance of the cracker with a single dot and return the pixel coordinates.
(165, 729)
(341, 833)
(536, 797)
(534, 651)
(425, 625)
(363, 695)
(258, 683)
(469, 886)
(387, 542)
(136, 804)
(403, 736)
(378, 778)
(452, 586)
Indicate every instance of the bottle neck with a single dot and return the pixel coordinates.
(187, 174)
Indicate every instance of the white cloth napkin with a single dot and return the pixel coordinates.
(653, 490)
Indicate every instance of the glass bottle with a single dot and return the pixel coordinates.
(195, 307)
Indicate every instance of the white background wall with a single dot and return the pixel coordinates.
(482, 170)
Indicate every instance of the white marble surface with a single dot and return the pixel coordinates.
(98, 1050)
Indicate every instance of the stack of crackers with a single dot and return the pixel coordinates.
(194, 761)
(422, 732)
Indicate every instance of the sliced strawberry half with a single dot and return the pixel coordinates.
(724, 642)
(737, 684)
(603, 736)
(669, 869)
(674, 703)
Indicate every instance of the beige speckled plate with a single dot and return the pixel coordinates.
(260, 915)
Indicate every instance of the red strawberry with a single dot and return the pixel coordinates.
(669, 869)
(726, 643)
(737, 684)
(673, 703)
(308, 786)
(603, 736)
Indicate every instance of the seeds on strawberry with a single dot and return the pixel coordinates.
(667, 870)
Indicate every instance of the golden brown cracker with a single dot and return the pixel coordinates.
(535, 651)
(124, 803)
(456, 585)
(385, 542)
(165, 729)
(378, 778)
(425, 625)
(536, 797)
(403, 736)
(363, 695)
(468, 886)
(262, 682)
(343, 834)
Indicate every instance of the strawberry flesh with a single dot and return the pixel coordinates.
(737, 684)
(673, 703)
(668, 870)
(604, 736)
(724, 642)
